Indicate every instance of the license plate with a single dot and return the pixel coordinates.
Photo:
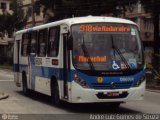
(113, 94)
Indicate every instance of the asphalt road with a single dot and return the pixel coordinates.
(37, 103)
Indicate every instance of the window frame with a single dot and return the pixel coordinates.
(3, 5)
(28, 44)
(38, 42)
(57, 39)
(36, 46)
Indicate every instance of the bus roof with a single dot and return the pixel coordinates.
(77, 20)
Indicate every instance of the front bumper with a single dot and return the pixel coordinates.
(84, 95)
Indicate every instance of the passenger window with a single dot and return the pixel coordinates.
(53, 44)
(42, 40)
(33, 42)
(25, 44)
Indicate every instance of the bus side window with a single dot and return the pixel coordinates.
(33, 42)
(42, 40)
(25, 44)
(53, 44)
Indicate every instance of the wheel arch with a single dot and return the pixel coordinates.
(55, 84)
(23, 73)
(54, 80)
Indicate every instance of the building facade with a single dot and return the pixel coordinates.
(5, 7)
(144, 20)
(134, 12)
(34, 12)
(6, 39)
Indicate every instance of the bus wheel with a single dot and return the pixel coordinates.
(55, 94)
(24, 84)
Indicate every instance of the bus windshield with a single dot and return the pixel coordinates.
(106, 47)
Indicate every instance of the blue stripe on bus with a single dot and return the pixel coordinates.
(92, 80)
(48, 72)
(40, 71)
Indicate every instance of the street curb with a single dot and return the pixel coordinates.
(8, 70)
(151, 90)
(3, 96)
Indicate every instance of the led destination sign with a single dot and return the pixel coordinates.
(104, 28)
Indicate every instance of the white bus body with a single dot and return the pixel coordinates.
(38, 64)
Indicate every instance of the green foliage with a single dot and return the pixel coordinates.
(16, 21)
(19, 17)
(150, 5)
(68, 8)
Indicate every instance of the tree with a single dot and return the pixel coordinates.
(51, 7)
(8, 24)
(64, 8)
(16, 21)
(152, 6)
(99, 7)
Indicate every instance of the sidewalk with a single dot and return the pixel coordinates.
(153, 88)
(3, 95)
(152, 82)
(6, 67)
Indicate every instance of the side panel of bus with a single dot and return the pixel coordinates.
(39, 69)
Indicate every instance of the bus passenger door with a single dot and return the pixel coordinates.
(31, 64)
(66, 66)
(16, 62)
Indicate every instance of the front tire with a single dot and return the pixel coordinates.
(55, 94)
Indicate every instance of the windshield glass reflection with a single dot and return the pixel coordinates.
(109, 51)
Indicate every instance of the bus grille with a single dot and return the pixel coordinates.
(120, 85)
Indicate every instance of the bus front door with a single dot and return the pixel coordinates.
(66, 66)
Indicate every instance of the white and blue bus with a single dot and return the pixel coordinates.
(81, 60)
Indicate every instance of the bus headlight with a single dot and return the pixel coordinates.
(81, 82)
(138, 83)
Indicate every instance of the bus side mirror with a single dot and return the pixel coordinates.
(70, 43)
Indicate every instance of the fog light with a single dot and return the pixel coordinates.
(138, 83)
(80, 81)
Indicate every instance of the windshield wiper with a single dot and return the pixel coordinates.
(119, 53)
(85, 51)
